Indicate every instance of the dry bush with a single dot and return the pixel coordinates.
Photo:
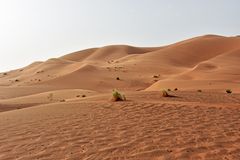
(229, 91)
(62, 100)
(165, 93)
(117, 96)
(50, 96)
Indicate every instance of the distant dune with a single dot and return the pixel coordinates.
(206, 59)
(61, 109)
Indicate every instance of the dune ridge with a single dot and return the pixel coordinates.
(205, 58)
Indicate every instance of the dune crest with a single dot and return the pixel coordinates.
(204, 58)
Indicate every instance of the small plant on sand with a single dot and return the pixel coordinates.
(165, 93)
(4, 74)
(40, 71)
(199, 90)
(117, 96)
(175, 89)
(118, 78)
(16, 80)
(83, 95)
(169, 90)
(229, 91)
(62, 100)
(78, 96)
(50, 96)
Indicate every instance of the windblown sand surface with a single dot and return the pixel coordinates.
(60, 108)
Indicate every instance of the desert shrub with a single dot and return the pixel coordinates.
(117, 78)
(165, 93)
(16, 80)
(229, 91)
(62, 100)
(199, 90)
(50, 96)
(155, 76)
(83, 95)
(175, 89)
(117, 96)
(169, 90)
(40, 71)
(4, 74)
(78, 96)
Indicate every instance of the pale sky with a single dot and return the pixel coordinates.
(33, 30)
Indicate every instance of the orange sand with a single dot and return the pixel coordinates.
(44, 115)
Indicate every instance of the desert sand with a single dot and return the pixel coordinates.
(61, 109)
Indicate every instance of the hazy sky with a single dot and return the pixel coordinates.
(32, 30)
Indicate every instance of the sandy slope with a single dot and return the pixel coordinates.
(44, 98)
(43, 114)
(207, 59)
(147, 126)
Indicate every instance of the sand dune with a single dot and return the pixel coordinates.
(202, 58)
(44, 115)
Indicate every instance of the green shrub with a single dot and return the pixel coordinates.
(117, 96)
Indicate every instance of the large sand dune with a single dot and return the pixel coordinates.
(61, 109)
(206, 58)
